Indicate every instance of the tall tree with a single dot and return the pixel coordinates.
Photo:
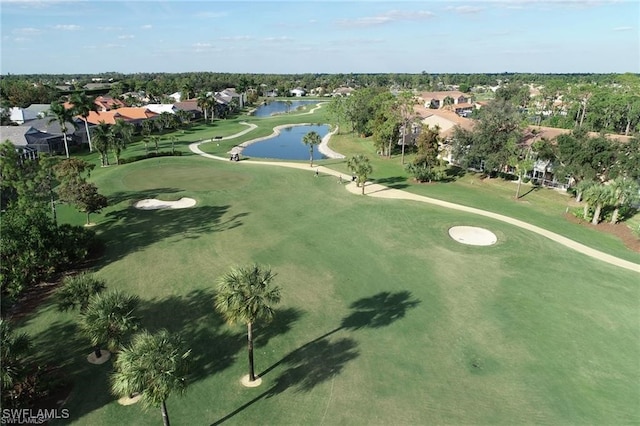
(385, 123)
(203, 104)
(599, 196)
(83, 106)
(156, 140)
(246, 295)
(428, 148)
(88, 200)
(626, 192)
(361, 168)
(122, 132)
(493, 140)
(154, 366)
(63, 116)
(311, 139)
(103, 140)
(108, 319)
(523, 166)
(406, 102)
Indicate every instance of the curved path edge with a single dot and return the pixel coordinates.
(381, 191)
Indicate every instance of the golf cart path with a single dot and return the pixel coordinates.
(381, 191)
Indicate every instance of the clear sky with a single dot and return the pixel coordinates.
(538, 36)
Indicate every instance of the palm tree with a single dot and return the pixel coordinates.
(184, 116)
(245, 295)
(311, 139)
(103, 139)
(405, 103)
(155, 140)
(598, 196)
(288, 104)
(626, 192)
(14, 348)
(522, 167)
(63, 116)
(122, 133)
(173, 139)
(203, 104)
(361, 168)
(76, 291)
(82, 106)
(581, 187)
(154, 366)
(108, 319)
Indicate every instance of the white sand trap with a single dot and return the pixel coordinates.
(155, 204)
(472, 235)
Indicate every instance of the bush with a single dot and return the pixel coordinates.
(150, 155)
(33, 248)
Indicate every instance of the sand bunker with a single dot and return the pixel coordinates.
(472, 235)
(155, 204)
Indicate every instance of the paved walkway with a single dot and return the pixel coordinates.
(377, 190)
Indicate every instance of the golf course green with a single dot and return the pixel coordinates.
(384, 318)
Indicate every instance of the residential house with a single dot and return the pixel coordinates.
(107, 103)
(298, 92)
(239, 97)
(342, 91)
(160, 108)
(191, 106)
(133, 115)
(438, 100)
(21, 115)
(76, 133)
(27, 139)
(446, 121)
(177, 96)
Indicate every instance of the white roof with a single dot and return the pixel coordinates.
(20, 115)
(160, 108)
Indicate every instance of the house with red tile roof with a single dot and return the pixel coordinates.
(107, 103)
(133, 115)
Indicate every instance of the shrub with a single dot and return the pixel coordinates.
(150, 155)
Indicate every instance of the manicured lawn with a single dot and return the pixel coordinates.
(384, 318)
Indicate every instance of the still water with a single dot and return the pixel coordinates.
(288, 144)
(279, 107)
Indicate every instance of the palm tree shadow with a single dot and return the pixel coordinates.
(308, 366)
(320, 359)
(283, 320)
(377, 311)
(532, 189)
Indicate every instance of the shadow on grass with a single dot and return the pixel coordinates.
(133, 196)
(309, 366)
(64, 346)
(534, 188)
(212, 348)
(322, 359)
(395, 182)
(129, 229)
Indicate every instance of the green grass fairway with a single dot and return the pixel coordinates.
(384, 320)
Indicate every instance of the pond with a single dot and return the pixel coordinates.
(288, 144)
(279, 107)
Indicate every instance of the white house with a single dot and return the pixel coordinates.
(160, 108)
(298, 92)
(34, 111)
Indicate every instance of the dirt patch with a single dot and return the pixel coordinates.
(620, 230)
